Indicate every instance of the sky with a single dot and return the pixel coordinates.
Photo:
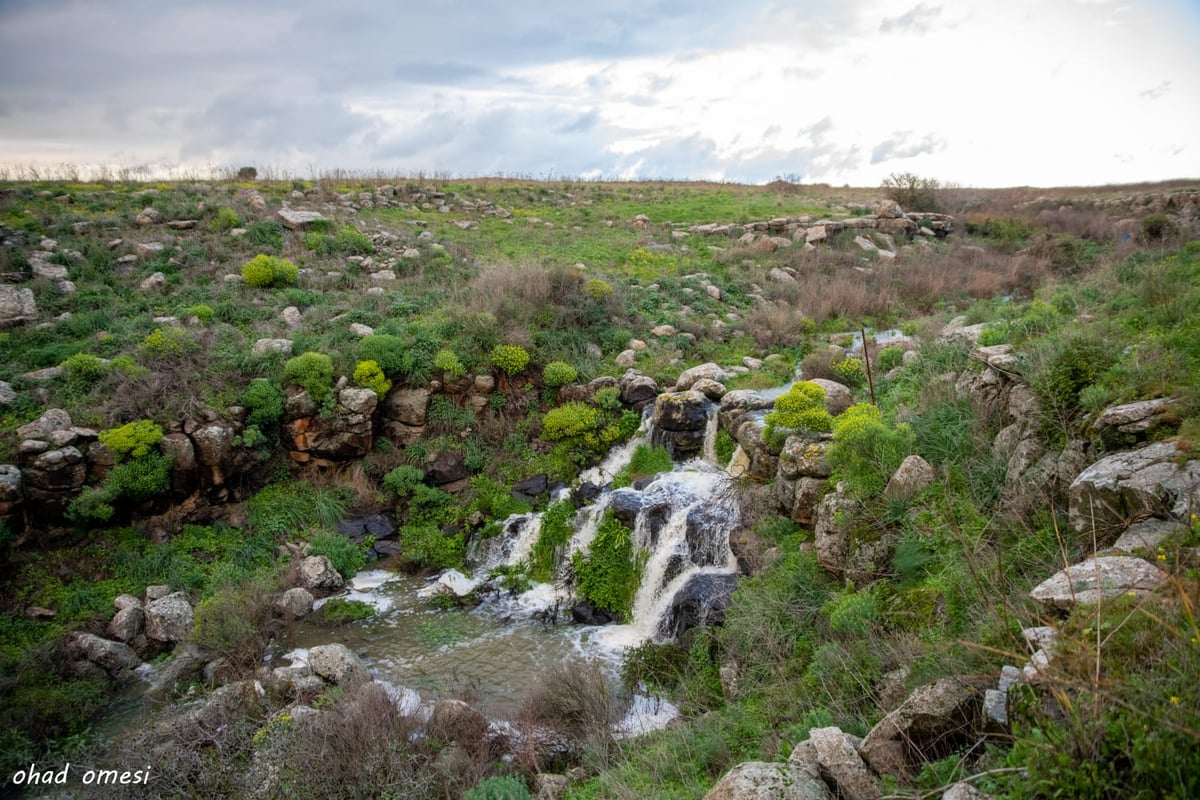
(972, 92)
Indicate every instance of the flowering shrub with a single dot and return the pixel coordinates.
(801, 408)
(597, 289)
(865, 449)
(312, 372)
(264, 270)
(850, 371)
(558, 373)
(448, 362)
(368, 375)
(132, 440)
(568, 421)
(510, 359)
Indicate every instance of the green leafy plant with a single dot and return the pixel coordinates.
(569, 420)
(166, 343)
(312, 372)
(346, 556)
(83, 369)
(597, 289)
(264, 401)
(133, 439)
(264, 271)
(889, 358)
(555, 533)
(224, 220)
(498, 787)
(339, 611)
(850, 371)
(368, 375)
(201, 311)
(866, 450)
(800, 408)
(558, 373)
(428, 546)
(448, 362)
(511, 359)
(608, 575)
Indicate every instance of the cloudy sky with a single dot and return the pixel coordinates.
(977, 92)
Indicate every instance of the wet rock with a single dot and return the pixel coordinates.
(531, 488)
(638, 391)
(377, 524)
(703, 600)
(1099, 578)
(932, 723)
(680, 421)
(337, 664)
(588, 613)
(317, 572)
(1149, 482)
(913, 475)
(449, 582)
(760, 780)
(169, 619)
(688, 377)
(295, 603)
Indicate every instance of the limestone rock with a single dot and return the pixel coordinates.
(776, 275)
(760, 780)
(185, 665)
(298, 220)
(626, 358)
(1098, 578)
(689, 376)
(1132, 417)
(317, 572)
(295, 603)
(337, 663)
(711, 389)
(833, 755)
(1123, 487)
(51, 420)
(127, 624)
(913, 475)
(114, 658)
(148, 216)
(169, 619)
(408, 406)
(291, 317)
(929, 725)
(1147, 535)
(830, 532)
(265, 346)
(838, 396)
(803, 456)
(7, 393)
(639, 390)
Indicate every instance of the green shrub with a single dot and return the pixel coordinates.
(493, 499)
(498, 787)
(403, 480)
(139, 479)
(263, 270)
(133, 439)
(1156, 227)
(352, 241)
(83, 369)
(607, 398)
(511, 359)
(201, 311)
(800, 408)
(609, 574)
(558, 373)
(225, 219)
(866, 450)
(368, 375)
(264, 402)
(265, 234)
(428, 546)
(448, 362)
(555, 533)
(346, 556)
(231, 621)
(166, 343)
(646, 460)
(312, 372)
(1066, 367)
(597, 289)
(568, 421)
(280, 509)
(386, 350)
(850, 371)
(889, 358)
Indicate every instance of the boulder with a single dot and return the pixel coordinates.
(407, 406)
(689, 376)
(295, 603)
(446, 468)
(703, 600)
(265, 346)
(214, 448)
(297, 220)
(148, 216)
(709, 388)
(127, 624)
(11, 496)
(51, 478)
(183, 667)
(1149, 482)
(913, 475)
(1147, 535)
(114, 658)
(804, 456)
(887, 209)
(1098, 578)
(337, 664)
(1132, 418)
(169, 619)
(638, 391)
(51, 421)
(449, 582)
(17, 306)
(7, 393)
(932, 723)
(831, 530)
(761, 780)
(838, 396)
(317, 572)
(832, 755)
(737, 404)
(680, 422)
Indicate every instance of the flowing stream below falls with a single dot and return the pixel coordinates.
(494, 655)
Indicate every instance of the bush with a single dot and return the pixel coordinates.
(312, 372)
(555, 533)
(428, 546)
(84, 369)
(609, 574)
(851, 372)
(225, 219)
(201, 311)
(339, 610)
(866, 450)
(801, 408)
(264, 402)
(166, 343)
(558, 373)
(368, 375)
(139, 479)
(1156, 227)
(510, 359)
(448, 362)
(346, 556)
(231, 622)
(263, 270)
(403, 480)
(569, 421)
(132, 440)
(280, 508)
(912, 192)
(1067, 367)
(247, 173)
(597, 289)
(353, 241)
(498, 787)
(889, 358)
(384, 349)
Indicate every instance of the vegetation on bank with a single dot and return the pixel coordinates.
(1095, 321)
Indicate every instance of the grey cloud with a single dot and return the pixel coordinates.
(1157, 91)
(584, 122)
(902, 145)
(440, 72)
(917, 19)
